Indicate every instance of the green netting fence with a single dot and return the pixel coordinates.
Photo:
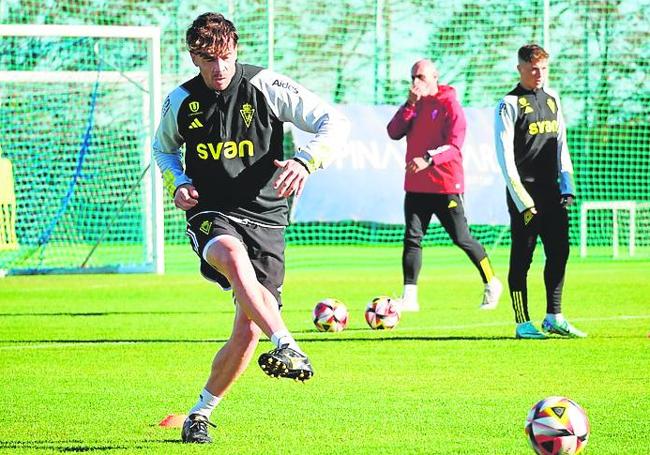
(74, 138)
(360, 51)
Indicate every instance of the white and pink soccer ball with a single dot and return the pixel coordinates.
(382, 313)
(330, 315)
(557, 426)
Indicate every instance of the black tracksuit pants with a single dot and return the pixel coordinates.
(551, 224)
(448, 208)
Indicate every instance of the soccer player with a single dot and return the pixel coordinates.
(532, 151)
(434, 125)
(234, 186)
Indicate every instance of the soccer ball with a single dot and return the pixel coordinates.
(330, 315)
(557, 426)
(382, 313)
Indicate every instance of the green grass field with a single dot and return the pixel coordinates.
(93, 363)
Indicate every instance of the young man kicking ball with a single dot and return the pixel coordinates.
(233, 186)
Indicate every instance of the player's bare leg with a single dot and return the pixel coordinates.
(229, 363)
(233, 358)
(230, 257)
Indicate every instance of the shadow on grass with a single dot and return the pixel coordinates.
(379, 338)
(114, 313)
(83, 446)
(230, 309)
(116, 341)
(408, 338)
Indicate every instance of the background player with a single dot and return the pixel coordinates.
(531, 149)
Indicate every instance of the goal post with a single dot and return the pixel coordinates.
(78, 110)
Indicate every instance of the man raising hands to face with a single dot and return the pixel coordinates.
(434, 125)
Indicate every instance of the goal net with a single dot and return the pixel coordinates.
(78, 106)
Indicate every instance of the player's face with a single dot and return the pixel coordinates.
(217, 71)
(425, 78)
(533, 74)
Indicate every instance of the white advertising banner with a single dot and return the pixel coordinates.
(366, 180)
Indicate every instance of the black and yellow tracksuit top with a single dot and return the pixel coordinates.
(232, 137)
(530, 138)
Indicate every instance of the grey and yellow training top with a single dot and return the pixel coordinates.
(232, 137)
(531, 147)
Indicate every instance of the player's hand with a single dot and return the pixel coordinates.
(186, 197)
(416, 165)
(292, 178)
(567, 200)
(416, 92)
(529, 214)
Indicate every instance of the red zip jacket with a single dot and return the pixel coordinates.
(434, 121)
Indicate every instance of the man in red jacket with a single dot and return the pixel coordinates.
(434, 125)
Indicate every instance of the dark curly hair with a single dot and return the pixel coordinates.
(210, 35)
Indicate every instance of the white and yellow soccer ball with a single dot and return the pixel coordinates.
(382, 313)
(330, 315)
(557, 426)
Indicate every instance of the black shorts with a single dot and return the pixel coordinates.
(265, 247)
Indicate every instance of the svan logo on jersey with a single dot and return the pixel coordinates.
(543, 126)
(285, 84)
(227, 150)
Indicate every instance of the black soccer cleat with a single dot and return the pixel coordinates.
(195, 429)
(285, 362)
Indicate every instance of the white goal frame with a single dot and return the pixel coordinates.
(153, 191)
(615, 207)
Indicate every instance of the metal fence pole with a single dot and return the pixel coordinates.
(547, 25)
(379, 28)
(271, 32)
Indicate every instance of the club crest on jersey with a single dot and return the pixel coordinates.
(525, 105)
(551, 104)
(247, 112)
(205, 227)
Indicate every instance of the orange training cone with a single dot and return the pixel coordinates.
(173, 421)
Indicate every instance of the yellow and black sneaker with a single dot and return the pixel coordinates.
(285, 362)
(195, 429)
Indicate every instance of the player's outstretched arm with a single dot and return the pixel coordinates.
(295, 104)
